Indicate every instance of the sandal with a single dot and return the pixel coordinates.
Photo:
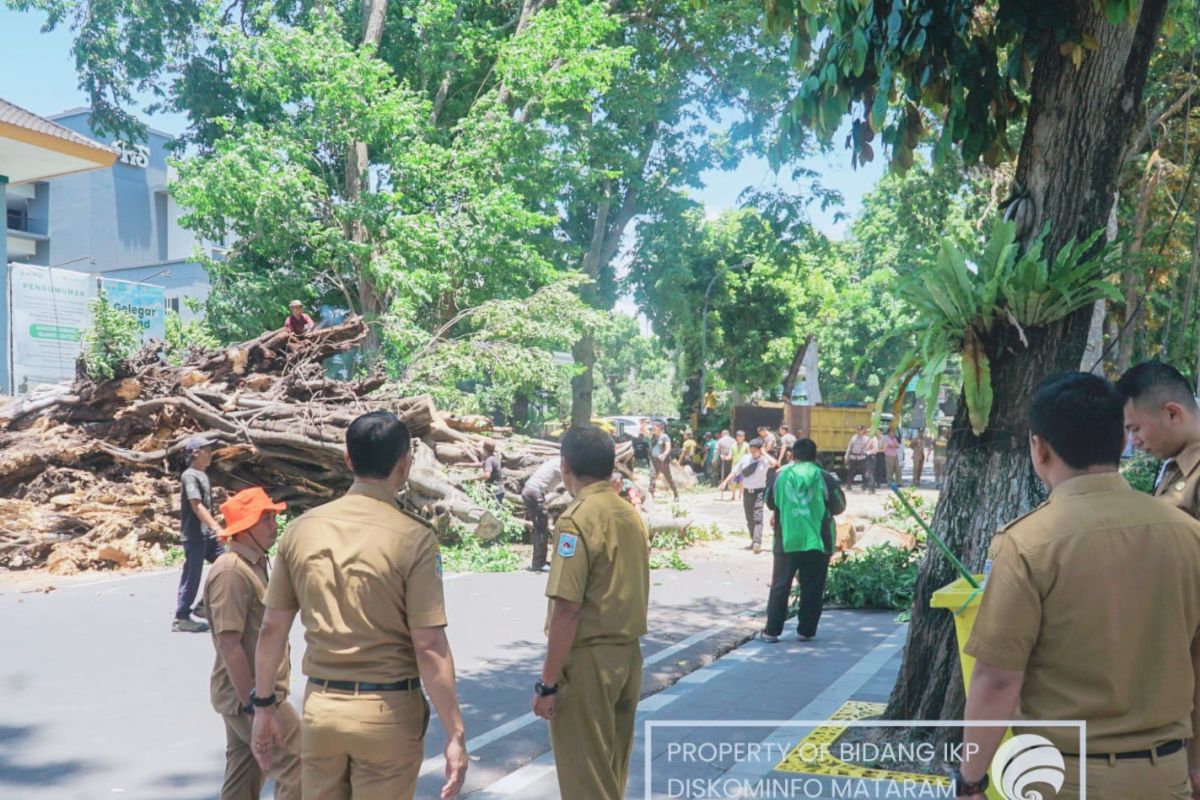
(763, 636)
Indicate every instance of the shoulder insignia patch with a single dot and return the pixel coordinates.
(1027, 515)
(568, 543)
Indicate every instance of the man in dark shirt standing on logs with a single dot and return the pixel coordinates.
(199, 534)
(298, 322)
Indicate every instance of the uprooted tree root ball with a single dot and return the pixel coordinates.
(89, 470)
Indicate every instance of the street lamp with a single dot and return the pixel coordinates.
(745, 265)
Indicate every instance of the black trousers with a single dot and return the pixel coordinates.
(864, 467)
(195, 553)
(753, 501)
(812, 567)
(535, 512)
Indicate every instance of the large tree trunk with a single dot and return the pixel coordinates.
(582, 384)
(607, 231)
(789, 381)
(357, 163)
(1134, 277)
(1079, 123)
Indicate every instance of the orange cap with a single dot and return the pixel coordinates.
(243, 511)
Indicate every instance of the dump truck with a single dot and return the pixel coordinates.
(830, 426)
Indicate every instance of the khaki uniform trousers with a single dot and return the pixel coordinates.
(366, 746)
(243, 777)
(592, 729)
(1130, 779)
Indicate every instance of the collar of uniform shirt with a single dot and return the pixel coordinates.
(1188, 458)
(374, 491)
(593, 488)
(248, 554)
(1089, 484)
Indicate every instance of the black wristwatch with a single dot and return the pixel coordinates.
(248, 709)
(542, 690)
(262, 702)
(964, 789)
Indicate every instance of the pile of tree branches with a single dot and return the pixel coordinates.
(89, 470)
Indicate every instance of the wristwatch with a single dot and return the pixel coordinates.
(262, 702)
(248, 709)
(964, 789)
(543, 690)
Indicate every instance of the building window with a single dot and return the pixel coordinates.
(18, 219)
(172, 304)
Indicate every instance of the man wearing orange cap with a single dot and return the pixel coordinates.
(237, 584)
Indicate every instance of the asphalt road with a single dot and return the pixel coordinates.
(99, 699)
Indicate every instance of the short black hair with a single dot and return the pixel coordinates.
(756, 443)
(376, 442)
(804, 450)
(1082, 417)
(589, 452)
(1157, 383)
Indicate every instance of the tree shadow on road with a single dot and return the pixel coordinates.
(17, 768)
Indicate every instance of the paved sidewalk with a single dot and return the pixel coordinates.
(855, 657)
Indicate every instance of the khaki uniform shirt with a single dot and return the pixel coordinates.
(1095, 596)
(233, 595)
(602, 561)
(1180, 484)
(362, 574)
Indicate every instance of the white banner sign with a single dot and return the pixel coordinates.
(49, 315)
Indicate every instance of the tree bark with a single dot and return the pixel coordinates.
(789, 381)
(1075, 137)
(1132, 279)
(606, 241)
(582, 384)
(357, 164)
(1190, 293)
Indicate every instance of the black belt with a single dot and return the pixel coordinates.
(1161, 751)
(358, 686)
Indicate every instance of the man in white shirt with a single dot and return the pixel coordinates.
(543, 479)
(787, 440)
(753, 469)
(725, 447)
(858, 461)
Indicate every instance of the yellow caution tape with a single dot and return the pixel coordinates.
(813, 755)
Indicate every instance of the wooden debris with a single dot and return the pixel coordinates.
(89, 471)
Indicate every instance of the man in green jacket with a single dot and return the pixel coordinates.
(804, 500)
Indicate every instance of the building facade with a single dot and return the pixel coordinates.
(121, 222)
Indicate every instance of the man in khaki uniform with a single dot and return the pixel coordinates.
(367, 582)
(1162, 418)
(599, 589)
(233, 595)
(1090, 612)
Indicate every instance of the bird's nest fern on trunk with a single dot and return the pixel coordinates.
(961, 301)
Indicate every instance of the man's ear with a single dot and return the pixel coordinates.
(346, 458)
(1174, 411)
(1039, 450)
